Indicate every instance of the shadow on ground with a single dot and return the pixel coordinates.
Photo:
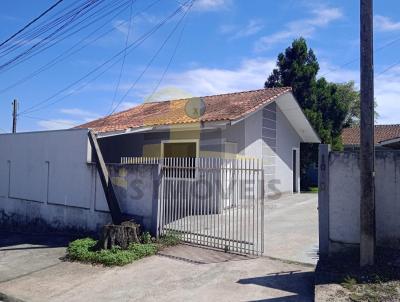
(24, 241)
(296, 282)
(200, 255)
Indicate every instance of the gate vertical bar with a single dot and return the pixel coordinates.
(262, 210)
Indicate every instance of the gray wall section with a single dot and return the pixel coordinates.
(269, 136)
(344, 198)
(115, 147)
(286, 139)
(47, 182)
(149, 144)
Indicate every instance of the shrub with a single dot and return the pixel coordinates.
(146, 237)
(169, 239)
(81, 249)
(84, 250)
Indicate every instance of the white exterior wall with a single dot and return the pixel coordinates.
(48, 182)
(286, 139)
(247, 135)
(268, 135)
(344, 198)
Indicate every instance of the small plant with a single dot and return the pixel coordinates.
(349, 283)
(146, 238)
(86, 250)
(169, 239)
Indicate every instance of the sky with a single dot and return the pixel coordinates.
(218, 46)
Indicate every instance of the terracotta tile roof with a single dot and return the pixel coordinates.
(221, 107)
(351, 136)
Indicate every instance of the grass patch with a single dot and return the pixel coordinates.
(310, 190)
(372, 290)
(85, 250)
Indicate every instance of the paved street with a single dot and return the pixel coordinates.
(182, 273)
(32, 268)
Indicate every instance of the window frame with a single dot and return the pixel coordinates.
(172, 141)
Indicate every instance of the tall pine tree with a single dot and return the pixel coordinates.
(328, 106)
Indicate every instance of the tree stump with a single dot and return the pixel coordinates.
(122, 235)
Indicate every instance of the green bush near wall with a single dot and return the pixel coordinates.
(84, 250)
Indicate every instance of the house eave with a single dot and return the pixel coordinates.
(161, 128)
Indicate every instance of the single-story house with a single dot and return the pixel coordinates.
(386, 137)
(267, 124)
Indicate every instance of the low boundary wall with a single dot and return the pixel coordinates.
(48, 183)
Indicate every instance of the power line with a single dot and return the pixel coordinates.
(69, 52)
(153, 58)
(36, 48)
(124, 57)
(169, 62)
(53, 121)
(358, 58)
(134, 44)
(388, 68)
(31, 22)
(49, 25)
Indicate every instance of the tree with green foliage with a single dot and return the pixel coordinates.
(328, 106)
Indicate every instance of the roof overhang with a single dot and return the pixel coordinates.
(295, 115)
(391, 143)
(161, 128)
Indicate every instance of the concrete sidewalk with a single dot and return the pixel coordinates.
(35, 272)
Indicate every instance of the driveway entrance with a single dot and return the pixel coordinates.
(291, 228)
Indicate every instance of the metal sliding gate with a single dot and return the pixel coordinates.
(213, 202)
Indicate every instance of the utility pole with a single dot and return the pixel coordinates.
(367, 160)
(14, 115)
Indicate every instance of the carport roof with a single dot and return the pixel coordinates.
(222, 107)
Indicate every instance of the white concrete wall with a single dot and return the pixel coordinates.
(286, 139)
(344, 198)
(47, 181)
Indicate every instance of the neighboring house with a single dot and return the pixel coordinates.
(386, 137)
(267, 124)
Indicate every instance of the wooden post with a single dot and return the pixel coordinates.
(323, 200)
(14, 115)
(109, 192)
(367, 202)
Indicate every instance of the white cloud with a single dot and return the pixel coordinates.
(251, 74)
(387, 89)
(251, 28)
(383, 23)
(78, 116)
(55, 124)
(211, 5)
(305, 27)
(199, 81)
(122, 26)
(338, 74)
(125, 105)
(79, 113)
